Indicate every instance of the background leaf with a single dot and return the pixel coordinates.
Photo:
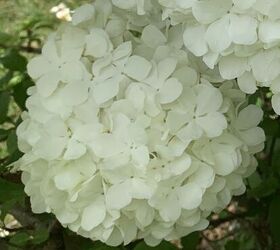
(274, 218)
(191, 241)
(20, 239)
(10, 191)
(162, 246)
(14, 61)
(4, 105)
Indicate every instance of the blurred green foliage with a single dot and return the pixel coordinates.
(252, 221)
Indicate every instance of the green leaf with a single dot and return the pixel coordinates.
(255, 98)
(4, 105)
(254, 180)
(162, 246)
(13, 158)
(20, 239)
(12, 142)
(102, 246)
(73, 242)
(275, 156)
(98, 245)
(232, 245)
(12, 248)
(191, 241)
(20, 93)
(6, 207)
(274, 218)
(6, 78)
(4, 134)
(10, 191)
(14, 61)
(6, 38)
(271, 127)
(266, 188)
(40, 236)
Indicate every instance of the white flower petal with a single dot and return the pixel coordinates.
(72, 71)
(170, 209)
(67, 217)
(93, 215)
(140, 189)
(232, 66)
(137, 97)
(249, 117)
(243, 29)
(190, 196)
(247, 83)
(153, 37)
(144, 215)
(49, 51)
(137, 68)
(106, 90)
(72, 44)
(266, 65)
(269, 31)
(213, 124)
(224, 163)
(170, 91)
(253, 136)
(217, 35)
(118, 196)
(82, 14)
(166, 67)
(74, 94)
(276, 103)
(124, 4)
(204, 176)
(56, 127)
(184, 4)
(128, 230)
(186, 75)
(179, 166)
(123, 50)
(38, 66)
(74, 150)
(208, 11)
(49, 147)
(244, 4)
(190, 132)
(211, 59)
(194, 40)
(98, 43)
(48, 83)
(175, 120)
(115, 238)
(209, 99)
(67, 179)
(106, 145)
(140, 156)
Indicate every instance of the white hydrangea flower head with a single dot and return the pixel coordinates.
(123, 138)
(240, 37)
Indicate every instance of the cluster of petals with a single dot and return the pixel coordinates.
(239, 37)
(125, 136)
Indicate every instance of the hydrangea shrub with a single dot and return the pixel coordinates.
(137, 127)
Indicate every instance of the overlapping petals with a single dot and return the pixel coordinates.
(126, 137)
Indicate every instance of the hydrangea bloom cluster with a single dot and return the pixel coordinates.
(239, 37)
(125, 137)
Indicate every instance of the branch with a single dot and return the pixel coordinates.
(30, 49)
(271, 151)
(27, 49)
(25, 219)
(218, 222)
